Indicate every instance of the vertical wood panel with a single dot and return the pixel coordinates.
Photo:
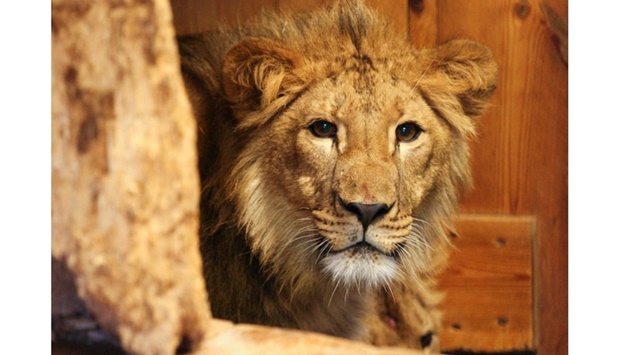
(520, 156)
(296, 5)
(193, 16)
(423, 22)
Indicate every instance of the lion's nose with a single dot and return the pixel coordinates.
(367, 213)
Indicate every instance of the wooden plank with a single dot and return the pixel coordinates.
(520, 156)
(488, 285)
(423, 23)
(194, 16)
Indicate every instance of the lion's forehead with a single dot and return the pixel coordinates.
(381, 103)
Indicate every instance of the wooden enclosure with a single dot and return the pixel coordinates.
(507, 285)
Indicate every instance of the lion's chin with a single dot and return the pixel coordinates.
(361, 266)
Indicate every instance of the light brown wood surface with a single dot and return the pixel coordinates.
(244, 339)
(193, 16)
(488, 285)
(520, 157)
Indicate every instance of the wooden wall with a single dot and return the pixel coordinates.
(508, 284)
(520, 159)
(191, 16)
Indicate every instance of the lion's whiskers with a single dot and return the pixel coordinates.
(332, 295)
(325, 249)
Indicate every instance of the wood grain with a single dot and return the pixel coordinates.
(423, 23)
(520, 157)
(193, 16)
(488, 285)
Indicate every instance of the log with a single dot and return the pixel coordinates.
(124, 184)
(245, 339)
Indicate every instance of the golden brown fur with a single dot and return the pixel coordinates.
(312, 200)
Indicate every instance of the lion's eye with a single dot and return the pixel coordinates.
(408, 132)
(323, 129)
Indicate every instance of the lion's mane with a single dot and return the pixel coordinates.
(263, 238)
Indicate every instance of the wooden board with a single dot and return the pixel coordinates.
(488, 285)
(520, 155)
(193, 16)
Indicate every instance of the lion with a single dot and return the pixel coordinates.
(332, 154)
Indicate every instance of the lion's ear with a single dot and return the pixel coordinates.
(459, 73)
(258, 76)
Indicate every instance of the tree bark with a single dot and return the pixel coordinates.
(125, 186)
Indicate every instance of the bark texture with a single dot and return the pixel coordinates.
(124, 180)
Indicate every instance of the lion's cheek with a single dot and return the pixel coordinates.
(419, 182)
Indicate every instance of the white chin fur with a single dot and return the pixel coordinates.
(367, 268)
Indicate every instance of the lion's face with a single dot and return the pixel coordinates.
(343, 177)
(361, 160)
